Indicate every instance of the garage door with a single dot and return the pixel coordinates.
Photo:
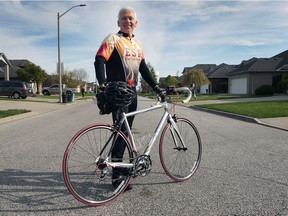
(238, 86)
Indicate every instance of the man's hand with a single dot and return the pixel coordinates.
(159, 91)
(102, 86)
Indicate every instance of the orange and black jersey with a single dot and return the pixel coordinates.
(121, 58)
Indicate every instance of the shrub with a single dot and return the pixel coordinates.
(264, 90)
(283, 85)
(223, 87)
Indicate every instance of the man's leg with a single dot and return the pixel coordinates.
(119, 147)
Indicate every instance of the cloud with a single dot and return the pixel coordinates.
(174, 34)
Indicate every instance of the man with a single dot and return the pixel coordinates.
(193, 90)
(120, 57)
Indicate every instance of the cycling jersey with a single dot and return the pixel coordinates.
(121, 58)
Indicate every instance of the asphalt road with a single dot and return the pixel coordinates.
(243, 169)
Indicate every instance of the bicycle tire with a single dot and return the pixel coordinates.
(179, 163)
(83, 176)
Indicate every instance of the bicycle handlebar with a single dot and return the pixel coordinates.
(185, 89)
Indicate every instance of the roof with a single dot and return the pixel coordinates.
(221, 71)
(272, 64)
(4, 61)
(207, 68)
(15, 65)
(284, 61)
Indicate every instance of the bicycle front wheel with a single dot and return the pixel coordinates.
(86, 170)
(180, 153)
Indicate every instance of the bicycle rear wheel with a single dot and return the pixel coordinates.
(88, 176)
(180, 161)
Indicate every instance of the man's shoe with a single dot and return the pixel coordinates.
(116, 184)
(129, 187)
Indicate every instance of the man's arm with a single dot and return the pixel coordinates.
(99, 66)
(146, 74)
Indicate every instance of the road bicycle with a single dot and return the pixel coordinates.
(88, 161)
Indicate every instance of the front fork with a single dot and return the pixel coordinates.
(174, 130)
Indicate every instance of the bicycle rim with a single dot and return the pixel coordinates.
(180, 163)
(88, 181)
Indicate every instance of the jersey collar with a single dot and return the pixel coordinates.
(125, 34)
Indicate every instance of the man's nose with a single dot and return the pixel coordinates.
(127, 19)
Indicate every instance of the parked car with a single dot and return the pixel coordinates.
(54, 89)
(15, 89)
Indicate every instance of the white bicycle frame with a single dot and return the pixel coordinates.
(157, 130)
(160, 125)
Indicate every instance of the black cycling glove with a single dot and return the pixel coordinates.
(159, 90)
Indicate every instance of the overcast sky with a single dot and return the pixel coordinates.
(174, 34)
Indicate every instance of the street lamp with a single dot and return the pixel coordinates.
(59, 60)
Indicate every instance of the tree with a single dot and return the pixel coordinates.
(171, 81)
(80, 74)
(32, 73)
(71, 78)
(51, 79)
(74, 78)
(223, 87)
(283, 84)
(196, 76)
(144, 85)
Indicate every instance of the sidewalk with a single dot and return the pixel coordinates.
(278, 123)
(36, 108)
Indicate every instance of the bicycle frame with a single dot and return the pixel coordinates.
(166, 116)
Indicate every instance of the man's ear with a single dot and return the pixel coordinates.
(118, 23)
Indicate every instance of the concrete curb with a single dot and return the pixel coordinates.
(17, 117)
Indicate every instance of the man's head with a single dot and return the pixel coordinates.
(127, 20)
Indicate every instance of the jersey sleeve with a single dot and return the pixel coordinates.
(107, 47)
(146, 74)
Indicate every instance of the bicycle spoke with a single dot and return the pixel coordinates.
(88, 180)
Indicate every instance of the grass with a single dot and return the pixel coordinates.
(12, 112)
(77, 96)
(203, 97)
(256, 109)
(45, 98)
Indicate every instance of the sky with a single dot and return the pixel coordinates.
(174, 34)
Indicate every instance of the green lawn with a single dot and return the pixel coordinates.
(256, 109)
(77, 96)
(11, 112)
(203, 97)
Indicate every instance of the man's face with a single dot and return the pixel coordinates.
(127, 22)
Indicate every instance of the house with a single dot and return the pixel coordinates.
(216, 74)
(217, 77)
(4, 67)
(255, 72)
(10, 67)
(206, 68)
